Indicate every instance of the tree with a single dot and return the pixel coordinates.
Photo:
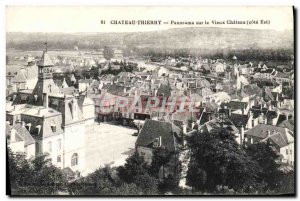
(136, 171)
(133, 167)
(34, 176)
(160, 158)
(217, 160)
(108, 53)
(267, 158)
(99, 182)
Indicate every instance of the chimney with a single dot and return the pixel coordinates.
(23, 124)
(45, 98)
(159, 141)
(229, 111)
(39, 111)
(268, 133)
(242, 135)
(13, 135)
(184, 129)
(14, 97)
(250, 120)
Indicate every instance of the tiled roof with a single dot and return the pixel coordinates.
(237, 105)
(252, 89)
(213, 124)
(68, 90)
(289, 124)
(22, 134)
(154, 129)
(8, 132)
(271, 114)
(25, 135)
(164, 90)
(86, 81)
(268, 94)
(257, 111)
(277, 134)
(239, 119)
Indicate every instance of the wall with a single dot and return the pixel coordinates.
(55, 151)
(17, 146)
(146, 153)
(30, 151)
(288, 158)
(74, 142)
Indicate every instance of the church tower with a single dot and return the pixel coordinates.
(45, 84)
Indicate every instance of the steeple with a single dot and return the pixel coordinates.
(45, 84)
(45, 66)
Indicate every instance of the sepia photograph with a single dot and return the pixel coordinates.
(150, 101)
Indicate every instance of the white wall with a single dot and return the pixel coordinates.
(288, 158)
(17, 146)
(74, 142)
(54, 150)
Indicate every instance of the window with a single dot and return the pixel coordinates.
(291, 152)
(287, 152)
(59, 158)
(49, 147)
(74, 159)
(53, 129)
(59, 144)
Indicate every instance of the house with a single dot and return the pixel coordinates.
(83, 85)
(20, 140)
(281, 77)
(53, 119)
(155, 134)
(239, 107)
(218, 67)
(281, 138)
(222, 122)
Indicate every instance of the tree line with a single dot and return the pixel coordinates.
(217, 165)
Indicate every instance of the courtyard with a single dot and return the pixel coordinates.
(108, 144)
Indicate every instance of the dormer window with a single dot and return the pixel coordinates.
(53, 128)
(157, 142)
(38, 129)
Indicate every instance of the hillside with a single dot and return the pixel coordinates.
(195, 38)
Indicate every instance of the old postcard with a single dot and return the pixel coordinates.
(143, 101)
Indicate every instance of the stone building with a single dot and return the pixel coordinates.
(56, 121)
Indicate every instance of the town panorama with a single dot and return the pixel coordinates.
(211, 113)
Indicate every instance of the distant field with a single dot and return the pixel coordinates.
(70, 53)
(15, 63)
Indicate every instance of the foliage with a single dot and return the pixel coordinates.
(99, 182)
(160, 159)
(35, 176)
(108, 53)
(266, 157)
(133, 167)
(217, 160)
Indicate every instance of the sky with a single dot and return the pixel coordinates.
(71, 19)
